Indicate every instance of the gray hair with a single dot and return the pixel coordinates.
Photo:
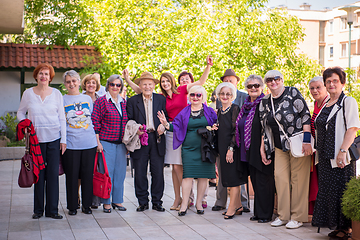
(254, 77)
(226, 84)
(316, 79)
(71, 73)
(273, 73)
(111, 79)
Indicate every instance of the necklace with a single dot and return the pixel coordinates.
(332, 102)
(281, 92)
(196, 112)
(226, 110)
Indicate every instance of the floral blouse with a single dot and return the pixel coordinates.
(292, 113)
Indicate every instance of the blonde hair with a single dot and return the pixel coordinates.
(198, 88)
(226, 84)
(89, 77)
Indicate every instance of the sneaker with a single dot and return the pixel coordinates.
(293, 224)
(278, 222)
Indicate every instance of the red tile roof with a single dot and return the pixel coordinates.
(30, 55)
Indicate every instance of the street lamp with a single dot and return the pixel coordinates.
(350, 9)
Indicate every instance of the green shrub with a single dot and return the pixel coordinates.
(351, 200)
(10, 123)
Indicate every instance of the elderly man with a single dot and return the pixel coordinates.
(143, 108)
(221, 192)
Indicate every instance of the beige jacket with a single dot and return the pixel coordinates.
(131, 139)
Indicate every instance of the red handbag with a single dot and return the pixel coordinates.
(26, 175)
(101, 181)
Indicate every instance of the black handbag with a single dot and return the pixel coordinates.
(208, 146)
(354, 149)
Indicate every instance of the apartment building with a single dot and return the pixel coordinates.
(327, 35)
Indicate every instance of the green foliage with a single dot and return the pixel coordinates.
(351, 200)
(10, 123)
(175, 35)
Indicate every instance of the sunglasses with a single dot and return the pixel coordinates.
(276, 79)
(198, 95)
(113, 84)
(250, 86)
(225, 94)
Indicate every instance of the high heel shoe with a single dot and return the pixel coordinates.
(106, 210)
(177, 208)
(199, 211)
(180, 213)
(239, 211)
(120, 208)
(229, 216)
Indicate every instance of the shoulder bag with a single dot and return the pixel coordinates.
(26, 175)
(354, 149)
(101, 181)
(296, 140)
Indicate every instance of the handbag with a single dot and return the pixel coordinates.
(208, 149)
(296, 140)
(26, 175)
(101, 181)
(354, 149)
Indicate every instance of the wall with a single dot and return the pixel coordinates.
(9, 91)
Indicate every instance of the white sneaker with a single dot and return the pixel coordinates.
(293, 224)
(278, 222)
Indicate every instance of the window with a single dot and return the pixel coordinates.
(331, 26)
(321, 31)
(353, 48)
(343, 49)
(331, 51)
(321, 54)
(343, 24)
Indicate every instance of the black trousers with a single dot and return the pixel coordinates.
(78, 163)
(264, 190)
(49, 179)
(149, 153)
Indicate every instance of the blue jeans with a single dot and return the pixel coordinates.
(115, 157)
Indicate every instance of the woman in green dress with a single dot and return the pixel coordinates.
(185, 125)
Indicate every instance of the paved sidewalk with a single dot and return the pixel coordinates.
(16, 223)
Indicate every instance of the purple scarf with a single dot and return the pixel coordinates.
(181, 121)
(251, 107)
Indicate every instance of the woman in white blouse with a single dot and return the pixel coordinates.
(46, 111)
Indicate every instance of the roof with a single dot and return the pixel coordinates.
(30, 55)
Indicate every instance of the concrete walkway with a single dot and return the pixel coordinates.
(16, 207)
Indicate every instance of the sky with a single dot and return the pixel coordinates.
(315, 4)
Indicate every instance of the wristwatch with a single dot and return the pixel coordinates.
(231, 148)
(343, 150)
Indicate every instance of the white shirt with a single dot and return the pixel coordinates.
(117, 104)
(47, 116)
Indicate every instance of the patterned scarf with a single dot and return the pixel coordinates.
(251, 107)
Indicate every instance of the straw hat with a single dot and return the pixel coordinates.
(148, 76)
(229, 72)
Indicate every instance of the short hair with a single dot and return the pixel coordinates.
(229, 85)
(213, 95)
(88, 78)
(111, 79)
(254, 77)
(71, 73)
(183, 73)
(44, 66)
(316, 79)
(338, 71)
(273, 73)
(171, 78)
(198, 88)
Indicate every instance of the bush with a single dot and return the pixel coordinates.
(10, 123)
(351, 200)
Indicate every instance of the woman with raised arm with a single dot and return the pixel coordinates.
(176, 100)
(45, 108)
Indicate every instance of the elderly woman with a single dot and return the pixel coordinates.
(284, 113)
(91, 84)
(336, 125)
(176, 100)
(185, 125)
(225, 127)
(248, 132)
(109, 118)
(45, 109)
(320, 95)
(78, 159)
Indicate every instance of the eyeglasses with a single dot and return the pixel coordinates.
(113, 84)
(335, 81)
(198, 95)
(276, 79)
(225, 94)
(250, 86)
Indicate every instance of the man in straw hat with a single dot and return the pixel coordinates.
(221, 192)
(143, 108)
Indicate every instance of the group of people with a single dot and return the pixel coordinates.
(252, 133)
